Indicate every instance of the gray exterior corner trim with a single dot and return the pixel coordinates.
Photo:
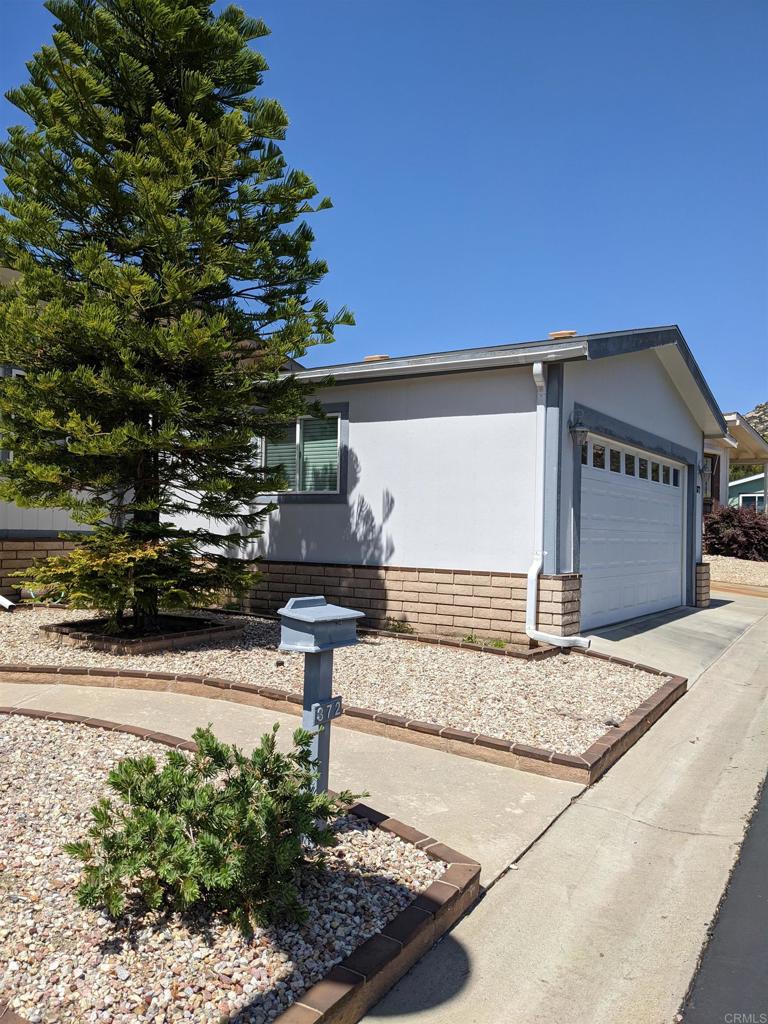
(601, 346)
(576, 505)
(553, 467)
(625, 433)
(318, 497)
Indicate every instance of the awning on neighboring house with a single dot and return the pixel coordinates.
(752, 447)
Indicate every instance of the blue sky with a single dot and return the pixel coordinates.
(502, 169)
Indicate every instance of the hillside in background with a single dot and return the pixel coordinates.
(759, 418)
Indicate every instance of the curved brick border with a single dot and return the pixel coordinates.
(75, 634)
(585, 768)
(350, 988)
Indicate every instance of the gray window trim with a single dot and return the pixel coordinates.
(601, 423)
(341, 409)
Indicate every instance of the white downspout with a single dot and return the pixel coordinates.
(534, 572)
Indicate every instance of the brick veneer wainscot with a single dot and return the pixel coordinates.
(441, 601)
(19, 553)
(702, 585)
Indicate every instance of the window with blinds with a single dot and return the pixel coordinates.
(308, 455)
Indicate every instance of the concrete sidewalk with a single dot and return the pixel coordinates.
(605, 918)
(487, 811)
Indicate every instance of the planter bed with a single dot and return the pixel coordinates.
(738, 571)
(561, 702)
(174, 631)
(388, 892)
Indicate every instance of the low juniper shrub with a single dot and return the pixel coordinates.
(737, 533)
(217, 830)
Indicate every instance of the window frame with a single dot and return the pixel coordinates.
(340, 412)
(758, 496)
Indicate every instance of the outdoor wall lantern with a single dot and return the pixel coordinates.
(579, 434)
(314, 628)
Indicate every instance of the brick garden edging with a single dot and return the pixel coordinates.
(354, 985)
(585, 768)
(76, 635)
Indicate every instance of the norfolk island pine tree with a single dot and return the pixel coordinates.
(165, 272)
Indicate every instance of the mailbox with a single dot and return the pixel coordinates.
(309, 625)
(314, 628)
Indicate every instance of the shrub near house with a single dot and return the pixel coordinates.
(737, 533)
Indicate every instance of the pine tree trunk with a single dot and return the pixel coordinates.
(146, 611)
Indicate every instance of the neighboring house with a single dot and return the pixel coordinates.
(440, 486)
(742, 445)
(440, 483)
(749, 492)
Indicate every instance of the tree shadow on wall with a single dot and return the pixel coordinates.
(350, 532)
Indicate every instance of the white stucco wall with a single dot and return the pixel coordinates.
(440, 476)
(17, 520)
(636, 389)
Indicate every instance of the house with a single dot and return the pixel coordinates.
(521, 491)
(741, 446)
(749, 492)
(529, 491)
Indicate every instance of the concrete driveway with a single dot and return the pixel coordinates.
(605, 917)
(685, 641)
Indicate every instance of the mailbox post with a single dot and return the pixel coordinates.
(314, 628)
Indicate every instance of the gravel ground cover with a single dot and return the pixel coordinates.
(59, 963)
(737, 570)
(562, 703)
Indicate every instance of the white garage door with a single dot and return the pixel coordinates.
(632, 533)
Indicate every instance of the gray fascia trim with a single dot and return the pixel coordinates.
(601, 346)
(616, 430)
(460, 361)
(318, 497)
(552, 467)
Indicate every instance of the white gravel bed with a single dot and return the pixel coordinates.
(561, 703)
(59, 963)
(737, 570)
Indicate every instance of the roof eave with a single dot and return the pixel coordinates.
(677, 358)
(753, 447)
(463, 361)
